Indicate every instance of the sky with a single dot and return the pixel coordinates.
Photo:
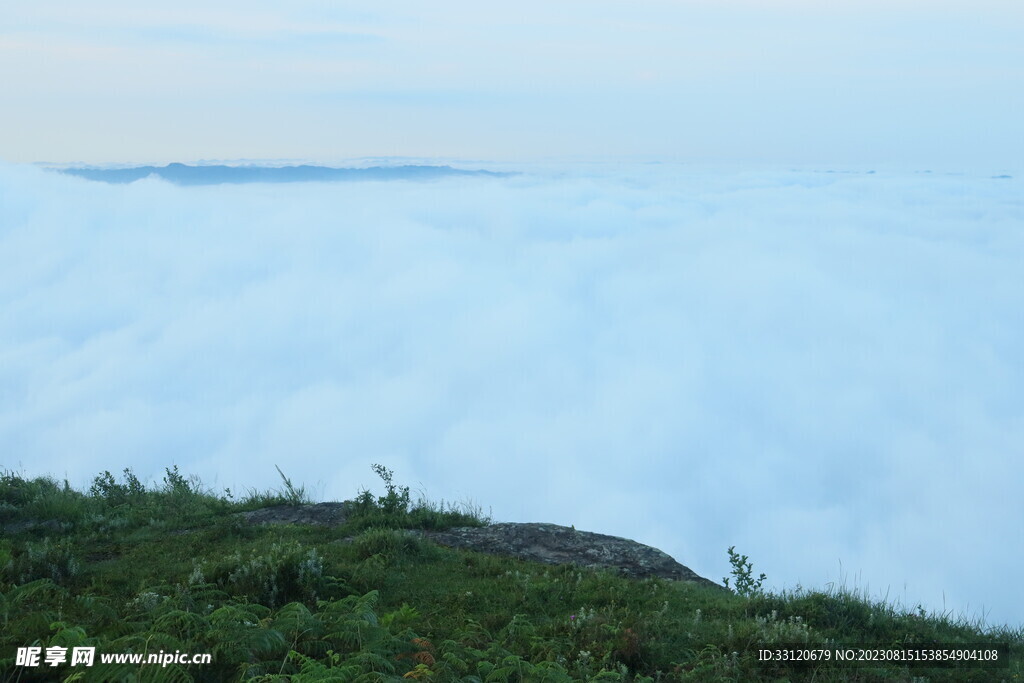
(788, 81)
(694, 318)
(825, 370)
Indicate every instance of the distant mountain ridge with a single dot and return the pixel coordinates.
(183, 174)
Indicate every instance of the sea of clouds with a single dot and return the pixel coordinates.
(823, 369)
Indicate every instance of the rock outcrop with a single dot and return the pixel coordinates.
(319, 514)
(554, 544)
(545, 543)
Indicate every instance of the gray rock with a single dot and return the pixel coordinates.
(545, 543)
(319, 514)
(553, 544)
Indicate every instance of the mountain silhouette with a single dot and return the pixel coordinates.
(182, 174)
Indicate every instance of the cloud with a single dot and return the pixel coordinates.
(816, 367)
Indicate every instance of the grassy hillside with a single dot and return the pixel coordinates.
(127, 568)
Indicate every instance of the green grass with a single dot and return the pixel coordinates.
(127, 568)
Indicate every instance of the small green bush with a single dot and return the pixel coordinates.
(390, 544)
(395, 510)
(105, 488)
(742, 571)
(16, 491)
(57, 561)
(174, 483)
(284, 572)
(39, 499)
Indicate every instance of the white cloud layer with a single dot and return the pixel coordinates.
(818, 368)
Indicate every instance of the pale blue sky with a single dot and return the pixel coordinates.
(865, 82)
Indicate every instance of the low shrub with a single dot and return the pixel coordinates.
(389, 544)
(57, 561)
(284, 572)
